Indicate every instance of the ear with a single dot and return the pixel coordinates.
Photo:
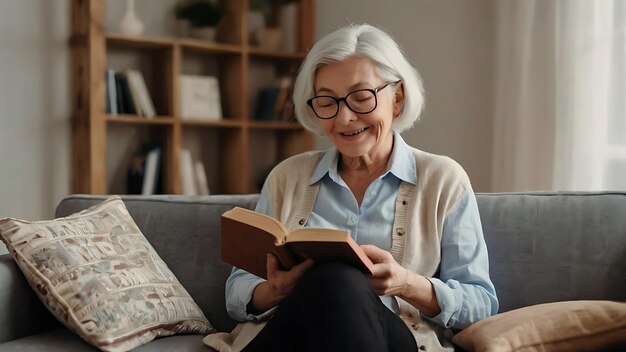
(398, 99)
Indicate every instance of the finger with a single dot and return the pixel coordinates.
(304, 266)
(377, 286)
(271, 265)
(382, 270)
(376, 254)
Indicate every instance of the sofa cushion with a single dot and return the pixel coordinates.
(62, 340)
(97, 273)
(560, 326)
(185, 231)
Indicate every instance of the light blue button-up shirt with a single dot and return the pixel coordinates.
(371, 223)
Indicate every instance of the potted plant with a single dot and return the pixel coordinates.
(262, 23)
(201, 15)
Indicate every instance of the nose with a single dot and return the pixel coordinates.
(345, 115)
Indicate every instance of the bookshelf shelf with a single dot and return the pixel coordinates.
(275, 125)
(137, 42)
(139, 120)
(236, 150)
(260, 53)
(225, 123)
(208, 47)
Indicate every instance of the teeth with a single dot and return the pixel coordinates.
(353, 133)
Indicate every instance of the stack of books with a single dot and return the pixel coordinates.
(127, 94)
(144, 173)
(192, 175)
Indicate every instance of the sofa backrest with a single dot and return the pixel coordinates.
(543, 247)
(547, 247)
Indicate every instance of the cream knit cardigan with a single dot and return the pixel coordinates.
(420, 214)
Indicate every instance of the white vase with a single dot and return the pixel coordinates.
(130, 23)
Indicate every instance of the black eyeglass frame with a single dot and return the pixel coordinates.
(374, 92)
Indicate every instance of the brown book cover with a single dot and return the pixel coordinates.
(247, 237)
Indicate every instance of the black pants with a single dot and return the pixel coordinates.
(333, 308)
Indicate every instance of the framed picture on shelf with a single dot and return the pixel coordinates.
(200, 98)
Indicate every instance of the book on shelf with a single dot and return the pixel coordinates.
(273, 100)
(201, 180)
(111, 93)
(133, 89)
(107, 103)
(283, 96)
(127, 93)
(134, 180)
(247, 236)
(200, 98)
(152, 171)
(285, 109)
(266, 102)
(187, 174)
(124, 98)
(140, 94)
(192, 175)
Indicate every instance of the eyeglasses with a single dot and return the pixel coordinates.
(362, 101)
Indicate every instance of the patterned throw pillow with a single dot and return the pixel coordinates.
(97, 273)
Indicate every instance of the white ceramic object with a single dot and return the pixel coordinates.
(130, 23)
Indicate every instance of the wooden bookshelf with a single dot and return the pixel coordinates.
(236, 150)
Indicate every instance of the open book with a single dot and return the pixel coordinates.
(248, 236)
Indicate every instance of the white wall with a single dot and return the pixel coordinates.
(34, 107)
(451, 43)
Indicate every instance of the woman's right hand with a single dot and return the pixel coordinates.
(279, 284)
(282, 282)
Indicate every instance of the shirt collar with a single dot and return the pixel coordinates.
(401, 163)
(326, 165)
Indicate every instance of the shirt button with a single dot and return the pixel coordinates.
(423, 348)
(301, 222)
(400, 231)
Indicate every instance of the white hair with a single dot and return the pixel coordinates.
(366, 41)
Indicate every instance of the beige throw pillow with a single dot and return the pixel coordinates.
(560, 326)
(97, 273)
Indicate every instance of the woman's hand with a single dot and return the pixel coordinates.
(279, 284)
(389, 278)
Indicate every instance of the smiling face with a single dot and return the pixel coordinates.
(358, 135)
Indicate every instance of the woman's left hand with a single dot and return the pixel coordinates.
(389, 278)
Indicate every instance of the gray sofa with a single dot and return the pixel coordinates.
(543, 247)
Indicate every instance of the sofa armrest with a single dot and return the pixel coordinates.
(21, 311)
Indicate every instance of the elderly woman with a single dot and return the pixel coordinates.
(413, 213)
